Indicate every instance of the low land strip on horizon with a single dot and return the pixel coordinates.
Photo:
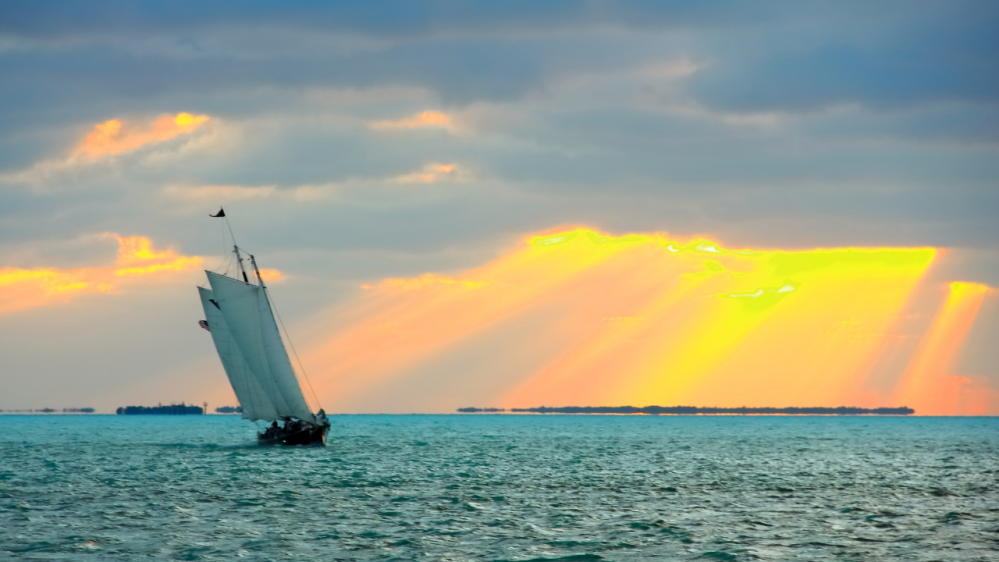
(49, 411)
(695, 410)
(170, 410)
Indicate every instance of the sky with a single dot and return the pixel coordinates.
(516, 204)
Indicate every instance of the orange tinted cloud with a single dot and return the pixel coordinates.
(422, 120)
(583, 318)
(930, 385)
(115, 136)
(27, 288)
(271, 275)
(431, 173)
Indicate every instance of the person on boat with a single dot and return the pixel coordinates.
(272, 431)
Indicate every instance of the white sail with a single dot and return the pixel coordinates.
(252, 397)
(248, 315)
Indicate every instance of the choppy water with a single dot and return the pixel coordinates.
(502, 488)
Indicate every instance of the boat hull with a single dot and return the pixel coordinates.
(314, 437)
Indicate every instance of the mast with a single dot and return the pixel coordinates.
(239, 260)
(260, 279)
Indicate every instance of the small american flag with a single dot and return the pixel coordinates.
(204, 324)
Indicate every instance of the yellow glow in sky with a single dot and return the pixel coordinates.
(584, 318)
(930, 384)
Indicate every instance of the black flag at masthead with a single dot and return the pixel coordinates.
(221, 213)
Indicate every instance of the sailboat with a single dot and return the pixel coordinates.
(240, 318)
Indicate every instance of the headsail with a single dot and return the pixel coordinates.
(254, 400)
(248, 317)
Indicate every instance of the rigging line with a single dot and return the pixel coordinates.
(222, 229)
(301, 367)
(226, 219)
(226, 258)
(237, 261)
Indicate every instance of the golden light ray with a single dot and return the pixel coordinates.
(930, 384)
(637, 319)
(742, 329)
(115, 136)
(818, 343)
(21, 289)
(397, 327)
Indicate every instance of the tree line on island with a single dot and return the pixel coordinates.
(50, 411)
(694, 410)
(181, 409)
(161, 410)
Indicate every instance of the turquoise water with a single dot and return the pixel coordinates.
(572, 488)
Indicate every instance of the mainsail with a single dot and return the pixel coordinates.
(254, 400)
(249, 344)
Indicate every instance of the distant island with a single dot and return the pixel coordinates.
(171, 410)
(474, 410)
(229, 410)
(695, 410)
(51, 411)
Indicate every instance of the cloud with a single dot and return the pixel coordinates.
(220, 193)
(433, 173)
(111, 138)
(115, 136)
(21, 289)
(224, 194)
(805, 57)
(271, 276)
(422, 120)
(384, 18)
(939, 54)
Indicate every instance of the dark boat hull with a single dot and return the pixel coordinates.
(315, 437)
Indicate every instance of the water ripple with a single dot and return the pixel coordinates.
(502, 488)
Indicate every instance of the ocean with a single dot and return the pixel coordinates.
(502, 487)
